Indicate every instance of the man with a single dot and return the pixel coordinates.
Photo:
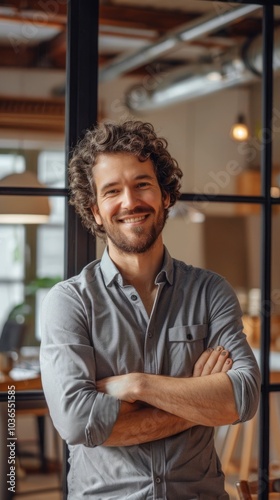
(142, 355)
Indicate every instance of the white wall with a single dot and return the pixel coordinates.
(30, 83)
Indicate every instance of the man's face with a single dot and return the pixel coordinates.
(130, 205)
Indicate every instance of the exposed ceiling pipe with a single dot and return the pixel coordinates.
(186, 87)
(182, 87)
(186, 33)
(253, 56)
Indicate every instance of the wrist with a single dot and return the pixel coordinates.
(141, 386)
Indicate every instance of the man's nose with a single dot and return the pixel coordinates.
(129, 199)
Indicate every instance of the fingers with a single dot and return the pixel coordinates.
(223, 363)
(212, 361)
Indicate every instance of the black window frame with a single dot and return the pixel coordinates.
(265, 200)
(80, 246)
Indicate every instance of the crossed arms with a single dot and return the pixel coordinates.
(139, 407)
(174, 404)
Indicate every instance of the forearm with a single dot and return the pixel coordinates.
(137, 424)
(207, 400)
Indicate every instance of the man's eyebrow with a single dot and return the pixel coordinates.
(139, 177)
(108, 185)
(144, 176)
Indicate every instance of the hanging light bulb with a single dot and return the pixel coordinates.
(239, 131)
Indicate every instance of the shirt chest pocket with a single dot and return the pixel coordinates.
(183, 347)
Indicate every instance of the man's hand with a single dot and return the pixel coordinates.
(123, 386)
(212, 361)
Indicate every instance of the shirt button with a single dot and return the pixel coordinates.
(133, 297)
(158, 480)
(150, 335)
(189, 336)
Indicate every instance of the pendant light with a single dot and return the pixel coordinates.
(239, 131)
(23, 209)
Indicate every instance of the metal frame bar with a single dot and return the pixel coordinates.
(33, 191)
(81, 113)
(266, 167)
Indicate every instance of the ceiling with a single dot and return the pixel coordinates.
(33, 35)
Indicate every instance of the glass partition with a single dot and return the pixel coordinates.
(222, 71)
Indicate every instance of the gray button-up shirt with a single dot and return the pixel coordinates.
(94, 326)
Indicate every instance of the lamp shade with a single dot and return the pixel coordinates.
(19, 209)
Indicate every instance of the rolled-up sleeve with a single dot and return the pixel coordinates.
(79, 412)
(226, 329)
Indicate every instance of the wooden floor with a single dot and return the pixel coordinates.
(32, 484)
(28, 486)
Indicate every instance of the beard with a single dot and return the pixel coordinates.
(141, 239)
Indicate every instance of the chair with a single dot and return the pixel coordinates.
(12, 336)
(11, 339)
(248, 488)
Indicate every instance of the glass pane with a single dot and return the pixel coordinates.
(11, 295)
(275, 193)
(205, 85)
(275, 281)
(32, 260)
(216, 236)
(32, 255)
(12, 252)
(274, 404)
(51, 168)
(11, 163)
(50, 251)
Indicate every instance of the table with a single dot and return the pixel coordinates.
(17, 384)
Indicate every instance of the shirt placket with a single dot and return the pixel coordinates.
(151, 366)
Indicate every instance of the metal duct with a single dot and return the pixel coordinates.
(182, 87)
(191, 31)
(185, 87)
(252, 53)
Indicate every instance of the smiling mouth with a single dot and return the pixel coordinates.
(131, 220)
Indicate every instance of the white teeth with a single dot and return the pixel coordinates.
(133, 219)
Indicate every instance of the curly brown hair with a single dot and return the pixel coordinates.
(133, 137)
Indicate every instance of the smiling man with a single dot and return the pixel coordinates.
(142, 355)
(130, 205)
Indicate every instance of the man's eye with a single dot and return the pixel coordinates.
(111, 192)
(143, 184)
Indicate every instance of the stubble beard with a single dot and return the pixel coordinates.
(144, 240)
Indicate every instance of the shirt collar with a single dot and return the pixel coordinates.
(111, 273)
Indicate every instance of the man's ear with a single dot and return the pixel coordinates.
(96, 215)
(166, 199)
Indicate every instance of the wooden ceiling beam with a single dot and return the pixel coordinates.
(48, 10)
(51, 53)
(38, 22)
(33, 114)
(123, 15)
(24, 58)
(160, 20)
